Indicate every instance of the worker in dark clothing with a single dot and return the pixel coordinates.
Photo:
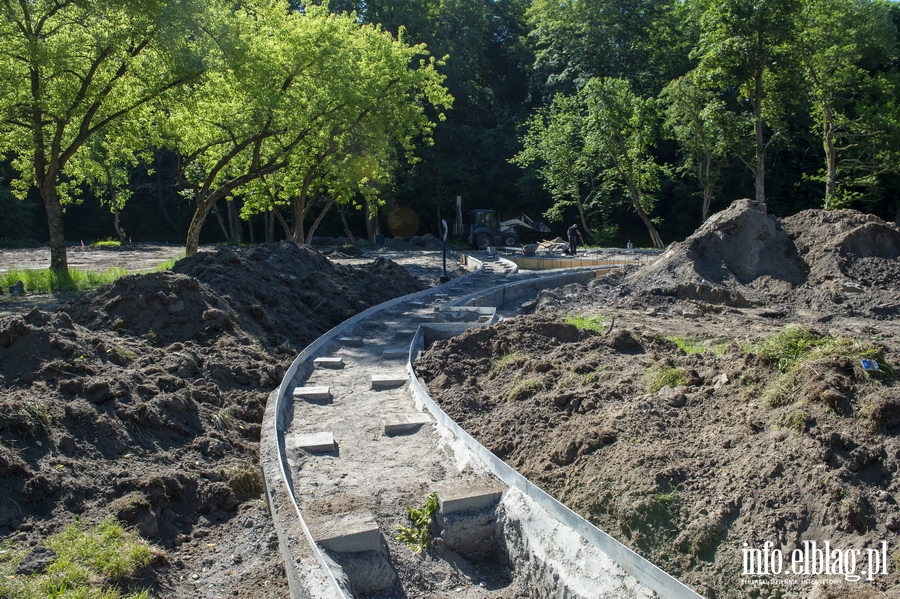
(574, 236)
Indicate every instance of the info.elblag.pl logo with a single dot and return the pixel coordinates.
(816, 559)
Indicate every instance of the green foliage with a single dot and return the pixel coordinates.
(53, 100)
(418, 536)
(351, 101)
(89, 562)
(50, 281)
(588, 322)
(659, 375)
(595, 144)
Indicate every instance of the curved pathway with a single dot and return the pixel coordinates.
(348, 445)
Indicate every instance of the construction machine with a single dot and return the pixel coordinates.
(486, 230)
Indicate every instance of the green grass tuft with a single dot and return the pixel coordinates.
(698, 346)
(588, 322)
(89, 562)
(659, 375)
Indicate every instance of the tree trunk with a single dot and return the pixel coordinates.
(192, 244)
(236, 231)
(347, 232)
(830, 156)
(119, 233)
(760, 139)
(318, 221)
(59, 261)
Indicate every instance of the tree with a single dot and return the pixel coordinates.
(646, 42)
(69, 69)
(600, 140)
(844, 45)
(747, 45)
(339, 87)
(695, 117)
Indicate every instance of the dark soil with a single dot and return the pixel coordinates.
(144, 399)
(729, 450)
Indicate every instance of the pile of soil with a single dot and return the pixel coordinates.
(672, 428)
(144, 399)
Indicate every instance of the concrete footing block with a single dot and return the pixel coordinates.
(330, 363)
(404, 423)
(388, 381)
(395, 353)
(348, 532)
(321, 442)
(351, 341)
(312, 393)
(467, 496)
(404, 334)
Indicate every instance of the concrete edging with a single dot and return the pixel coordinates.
(290, 527)
(637, 566)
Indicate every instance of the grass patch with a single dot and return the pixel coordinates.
(793, 349)
(49, 281)
(89, 562)
(659, 375)
(796, 420)
(588, 322)
(167, 265)
(698, 346)
(245, 480)
(107, 243)
(525, 388)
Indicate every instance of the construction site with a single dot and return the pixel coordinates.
(623, 430)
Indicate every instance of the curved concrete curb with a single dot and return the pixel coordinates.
(640, 568)
(309, 572)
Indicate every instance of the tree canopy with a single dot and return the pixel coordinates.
(155, 114)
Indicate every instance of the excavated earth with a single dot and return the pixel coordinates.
(144, 399)
(672, 427)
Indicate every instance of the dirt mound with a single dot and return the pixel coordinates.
(674, 452)
(729, 259)
(160, 307)
(819, 263)
(144, 399)
(845, 245)
(291, 294)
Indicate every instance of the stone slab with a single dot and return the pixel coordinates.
(403, 423)
(349, 532)
(467, 496)
(312, 393)
(329, 362)
(388, 381)
(395, 353)
(315, 442)
(351, 341)
(403, 334)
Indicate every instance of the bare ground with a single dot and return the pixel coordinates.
(729, 450)
(144, 398)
